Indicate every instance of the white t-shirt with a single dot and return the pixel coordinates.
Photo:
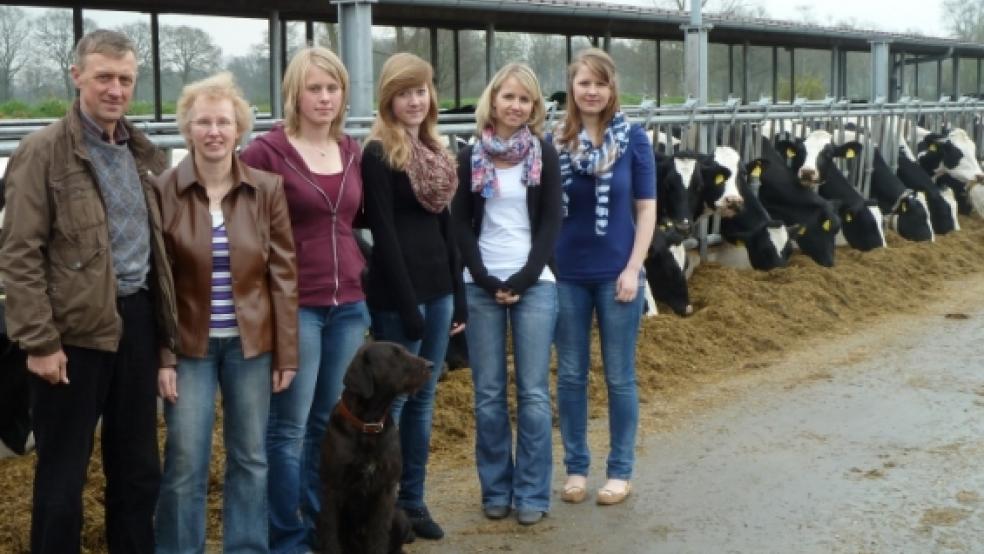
(505, 240)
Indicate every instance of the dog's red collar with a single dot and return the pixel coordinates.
(373, 428)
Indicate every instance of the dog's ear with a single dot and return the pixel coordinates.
(358, 378)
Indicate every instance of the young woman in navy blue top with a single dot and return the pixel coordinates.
(609, 198)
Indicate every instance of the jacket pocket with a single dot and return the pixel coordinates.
(78, 206)
(81, 295)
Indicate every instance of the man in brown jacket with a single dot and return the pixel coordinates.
(91, 300)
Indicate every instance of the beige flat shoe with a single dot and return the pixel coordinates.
(575, 490)
(609, 496)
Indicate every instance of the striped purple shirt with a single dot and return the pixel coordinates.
(223, 320)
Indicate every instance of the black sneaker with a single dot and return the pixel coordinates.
(422, 524)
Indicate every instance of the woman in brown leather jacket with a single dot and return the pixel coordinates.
(227, 234)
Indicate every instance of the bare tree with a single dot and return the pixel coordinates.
(55, 33)
(15, 28)
(965, 19)
(189, 51)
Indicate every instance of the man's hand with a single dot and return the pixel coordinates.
(53, 368)
(167, 384)
(282, 378)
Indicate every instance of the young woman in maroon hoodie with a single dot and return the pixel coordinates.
(321, 167)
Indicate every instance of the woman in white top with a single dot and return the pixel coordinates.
(507, 214)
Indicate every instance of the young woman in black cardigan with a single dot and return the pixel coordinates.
(414, 290)
(507, 214)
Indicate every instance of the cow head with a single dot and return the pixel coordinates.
(717, 192)
(817, 236)
(672, 204)
(910, 218)
(862, 225)
(666, 271)
(953, 153)
(730, 201)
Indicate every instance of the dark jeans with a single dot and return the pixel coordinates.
(121, 387)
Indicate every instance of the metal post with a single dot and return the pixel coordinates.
(880, 67)
(570, 49)
(607, 44)
(792, 73)
(939, 79)
(835, 62)
(434, 59)
(155, 53)
(457, 70)
(955, 72)
(309, 33)
(78, 25)
(977, 89)
(355, 34)
(775, 75)
(489, 51)
(731, 69)
(695, 54)
(659, 78)
(744, 73)
(276, 64)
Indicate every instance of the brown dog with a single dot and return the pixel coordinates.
(360, 455)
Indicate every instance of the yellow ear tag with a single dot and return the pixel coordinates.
(757, 171)
(932, 148)
(719, 179)
(848, 218)
(740, 243)
(826, 225)
(802, 231)
(850, 153)
(904, 207)
(790, 153)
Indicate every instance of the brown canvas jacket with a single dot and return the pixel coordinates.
(55, 259)
(261, 258)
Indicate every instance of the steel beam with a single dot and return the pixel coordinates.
(276, 64)
(355, 43)
(880, 67)
(489, 51)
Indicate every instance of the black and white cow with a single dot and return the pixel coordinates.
(940, 199)
(793, 204)
(766, 241)
(706, 182)
(954, 154)
(667, 270)
(15, 420)
(905, 209)
(861, 219)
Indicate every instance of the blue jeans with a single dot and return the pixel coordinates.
(414, 413)
(245, 385)
(525, 482)
(618, 325)
(328, 338)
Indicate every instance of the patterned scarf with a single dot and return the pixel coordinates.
(523, 146)
(432, 176)
(587, 159)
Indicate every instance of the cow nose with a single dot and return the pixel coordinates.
(807, 174)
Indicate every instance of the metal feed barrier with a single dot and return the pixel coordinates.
(693, 128)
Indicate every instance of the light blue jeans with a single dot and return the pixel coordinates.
(618, 324)
(328, 338)
(245, 386)
(524, 482)
(415, 413)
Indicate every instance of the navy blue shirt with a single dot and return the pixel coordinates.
(583, 256)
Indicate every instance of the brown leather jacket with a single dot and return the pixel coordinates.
(55, 260)
(261, 256)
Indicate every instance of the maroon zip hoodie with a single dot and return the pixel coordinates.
(329, 263)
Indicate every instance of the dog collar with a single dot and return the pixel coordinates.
(373, 428)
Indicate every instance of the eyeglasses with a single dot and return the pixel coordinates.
(221, 124)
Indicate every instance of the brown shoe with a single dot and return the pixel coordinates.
(609, 495)
(575, 490)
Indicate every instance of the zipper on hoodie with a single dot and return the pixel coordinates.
(334, 214)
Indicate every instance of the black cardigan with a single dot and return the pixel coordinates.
(544, 204)
(414, 255)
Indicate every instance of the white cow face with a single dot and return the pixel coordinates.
(731, 201)
(814, 143)
(778, 237)
(947, 194)
(876, 213)
(968, 170)
(685, 167)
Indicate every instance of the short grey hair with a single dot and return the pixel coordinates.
(102, 41)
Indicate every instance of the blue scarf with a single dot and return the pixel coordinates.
(586, 159)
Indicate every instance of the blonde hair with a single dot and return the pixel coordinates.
(221, 86)
(400, 72)
(601, 64)
(527, 79)
(294, 77)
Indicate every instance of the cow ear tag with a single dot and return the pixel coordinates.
(850, 153)
(802, 231)
(790, 153)
(904, 207)
(932, 148)
(757, 171)
(740, 243)
(719, 179)
(826, 225)
(848, 218)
